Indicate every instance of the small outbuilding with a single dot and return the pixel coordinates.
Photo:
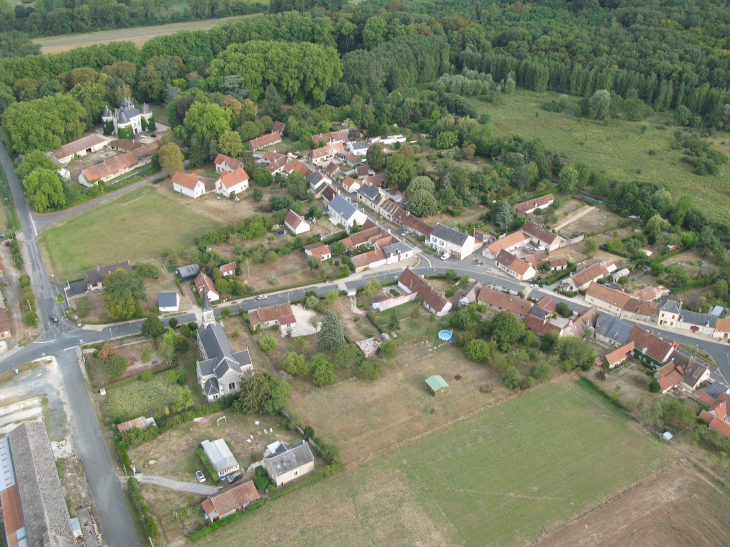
(189, 272)
(437, 385)
(168, 301)
(220, 456)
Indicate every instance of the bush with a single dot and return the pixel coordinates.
(388, 348)
(261, 483)
(31, 318)
(370, 370)
(147, 376)
(512, 379)
(172, 323)
(116, 366)
(225, 313)
(268, 343)
(654, 387)
(143, 510)
(450, 292)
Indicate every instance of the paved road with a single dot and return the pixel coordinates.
(44, 221)
(89, 443)
(179, 486)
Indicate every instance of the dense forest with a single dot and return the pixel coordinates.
(380, 65)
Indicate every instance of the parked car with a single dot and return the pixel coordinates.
(262, 297)
(233, 478)
(444, 257)
(199, 475)
(153, 135)
(54, 318)
(535, 286)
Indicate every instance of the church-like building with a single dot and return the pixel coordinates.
(127, 120)
(220, 369)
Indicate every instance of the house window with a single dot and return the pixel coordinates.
(296, 473)
(232, 385)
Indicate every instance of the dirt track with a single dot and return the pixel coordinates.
(679, 508)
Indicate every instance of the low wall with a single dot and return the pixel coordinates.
(395, 301)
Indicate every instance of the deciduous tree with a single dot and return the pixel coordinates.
(171, 158)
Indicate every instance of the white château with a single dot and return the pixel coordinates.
(127, 120)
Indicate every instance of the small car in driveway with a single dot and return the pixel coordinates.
(236, 476)
(199, 475)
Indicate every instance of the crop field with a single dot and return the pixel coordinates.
(621, 150)
(139, 398)
(137, 226)
(138, 35)
(502, 477)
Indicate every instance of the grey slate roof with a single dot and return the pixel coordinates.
(342, 207)
(537, 311)
(122, 118)
(107, 113)
(291, 457)
(669, 306)
(397, 247)
(315, 178)
(188, 271)
(47, 522)
(613, 328)
(166, 299)
(215, 342)
(717, 389)
(211, 387)
(362, 145)
(449, 234)
(146, 109)
(100, 273)
(371, 193)
(700, 319)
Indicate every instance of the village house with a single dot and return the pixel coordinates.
(320, 251)
(232, 182)
(364, 170)
(618, 356)
(558, 264)
(228, 269)
(321, 155)
(621, 303)
(510, 242)
(396, 252)
(294, 165)
(371, 196)
(611, 330)
(316, 182)
(375, 180)
(499, 301)
(220, 368)
(264, 140)
(334, 137)
(278, 314)
(359, 148)
(328, 193)
(722, 328)
(285, 462)
(342, 211)
(509, 263)
(206, 288)
(94, 279)
(226, 164)
(682, 371)
(716, 415)
(651, 293)
(368, 236)
(295, 223)
(350, 184)
(542, 322)
(189, 272)
(540, 236)
(534, 260)
(433, 301)
(548, 304)
(370, 259)
(187, 185)
(529, 206)
(352, 161)
(87, 144)
(387, 141)
(278, 164)
(230, 500)
(652, 346)
(220, 457)
(579, 281)
(168, 302)
(278, 127)
(451, 242)
(332, 169)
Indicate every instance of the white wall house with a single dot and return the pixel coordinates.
(452, 242)
(295, 223)
(232, 182)
(342, 211)
(226, 164)
(187, 185)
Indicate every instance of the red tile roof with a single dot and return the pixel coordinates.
(320, 252)
(511, 262)
(375, 180)
(707, 399)
(720, 409)
(670, 380)
(270, 313)
(723, 325)
(229, 161)
(232, 499)
(533, 203)
(229, 268)
(655, 348)
(558, 262)
(189, 181)
(619, 354)
(349, 182)
(264, 141)
(203, 282)
(110, 166)
(547, 304)
(365, 259)
(532, 322)
(232, 178)
(431, 297)
(504, 301)
(506, 242)
(591, 273)
(12, 511)
(721, 426)
(535, 259)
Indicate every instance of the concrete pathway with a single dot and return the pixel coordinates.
(574, 217)
(179, 486)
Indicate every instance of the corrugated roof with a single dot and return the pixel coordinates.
(219, 454)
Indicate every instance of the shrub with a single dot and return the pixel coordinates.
(143, 510)
(116, 366)
(388, 348)
(370, 370)
(450, 292)
(268, 343)
(31, 318)
(511, 379)
(654, 387)
(147, 376)
(261, 483)
(172, 323)
(225, 313)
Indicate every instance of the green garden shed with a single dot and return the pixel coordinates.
(437, 385)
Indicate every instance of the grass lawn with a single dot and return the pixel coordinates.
(501, 477)
(410, 328)
(620, 149)
(136, 226)
(139, 398)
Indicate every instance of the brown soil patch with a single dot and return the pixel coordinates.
(597, 221)
(177, 513)
(677, 508)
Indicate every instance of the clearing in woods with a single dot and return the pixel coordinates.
(621, 149)
(137, 226)
(502, 477)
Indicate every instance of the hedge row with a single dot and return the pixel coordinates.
(337, 237)
(560, 274)
(213, 526)
(145, 516)
(696, 283)
(304, 482)
(622, 254)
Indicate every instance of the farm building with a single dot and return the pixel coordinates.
(226, 164)
(220, 456)
(437, 385)
(288, 462)
(168, 301)
(80, 147)
(230, 500)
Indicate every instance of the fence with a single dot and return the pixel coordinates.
(394, 301)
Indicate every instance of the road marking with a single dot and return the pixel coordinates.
(72, 347)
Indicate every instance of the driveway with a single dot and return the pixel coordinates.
(302, 327)
(178, 486)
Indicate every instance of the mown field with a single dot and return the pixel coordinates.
(502, 477)
(620, 149)
(138, 225)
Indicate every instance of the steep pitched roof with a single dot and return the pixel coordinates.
(375, 180)
(264, 141)
(591, 273)
(293, 219)
(365, 259)
(608, 295)
(538, 232)
(511, 262)
(293, 457)
(342, 207)
(723, 325)
(559, 262)
(233, 178)
(506, 242)
(534, 203)
(649, 344)
(189, 181)
(270, 313)
(228, 269)
(364, 236)
(612, 327)
(669, 306)
(449, 234)
(619, 354)
(102, 272)
(504, 301)
(540, 324)
(348, 183)
(320, 251)
(431, 297)
(535, 259)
